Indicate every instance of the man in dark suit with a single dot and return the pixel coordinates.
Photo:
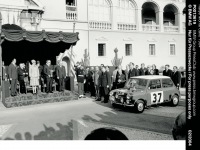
(61, 74)
(142, 70)
(104, 85)
(48, 73)
(137, 70)
(167, 71)
(12, 72)
(21, 75)
(132, 71)
(176, 77)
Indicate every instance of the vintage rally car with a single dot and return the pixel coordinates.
(143, 91)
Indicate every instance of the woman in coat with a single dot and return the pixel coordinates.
(34, 76)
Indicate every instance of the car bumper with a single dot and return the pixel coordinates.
(122, 103)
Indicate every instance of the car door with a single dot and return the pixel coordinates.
(168, 88)
(154, 92)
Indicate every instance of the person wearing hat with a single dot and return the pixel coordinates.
(81, 81)
(34, 76)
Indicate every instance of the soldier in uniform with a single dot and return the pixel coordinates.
(80, 80)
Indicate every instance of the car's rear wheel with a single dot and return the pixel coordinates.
(174, 100)
(139, 106)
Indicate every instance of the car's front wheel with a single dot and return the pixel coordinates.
(175, 100)
(139, 106)
(113, 104)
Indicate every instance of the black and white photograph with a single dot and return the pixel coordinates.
(79, 70)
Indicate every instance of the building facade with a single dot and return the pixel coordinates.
(143, 31)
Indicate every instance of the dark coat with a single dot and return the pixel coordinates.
(167, 73)
(137, 72)
(21, 74)
(60, 72)
(176, 78)
(47, 71)
(142, 71)
(12, 71)
(80, 75)
(40, 70)
(147, 72)
(156, 72)
(104, 81)
(132, 73)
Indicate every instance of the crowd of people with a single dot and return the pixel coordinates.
(100, 80)
(35, 75)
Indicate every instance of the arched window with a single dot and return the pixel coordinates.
(99, 10)
(126, 12)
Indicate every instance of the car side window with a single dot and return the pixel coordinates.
(167, 83)
(154, 84)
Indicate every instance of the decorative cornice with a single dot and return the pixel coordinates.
(101, 39)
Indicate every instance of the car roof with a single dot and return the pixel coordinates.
(150, 77)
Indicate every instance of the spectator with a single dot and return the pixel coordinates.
(48, 72)
(167, 71)
(80, 80)
(176, 77)
(137, 70)
(120, 79)
(104, 84)
(132, 71)
(142, 70)
(12, 72)
(96, 79)
(21, 76)
(91, 82)
(149, 70)
(179, 130)
(155, 70)
(61, 75)
(86, 84)
(34, 76)
(113, 82)
(106, 134)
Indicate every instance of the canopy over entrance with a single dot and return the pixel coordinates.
(27, 45)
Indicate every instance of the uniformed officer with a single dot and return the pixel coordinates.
(80, 80)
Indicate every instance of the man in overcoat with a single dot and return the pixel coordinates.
(104, 85)
(12, 72)
(176, 77)
(61, 74)
(48, 73)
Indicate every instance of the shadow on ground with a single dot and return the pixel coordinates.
(65, 132)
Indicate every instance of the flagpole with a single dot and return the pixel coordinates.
(72, 50)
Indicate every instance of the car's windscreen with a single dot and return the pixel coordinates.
(136, 83)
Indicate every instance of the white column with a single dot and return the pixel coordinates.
(114, 10)
(139, 19)
(159, 20)
(178, 21)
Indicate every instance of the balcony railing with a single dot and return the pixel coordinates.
(124, 26)
(147, 27)
(171, 29)
(71, 16)
(100, 25)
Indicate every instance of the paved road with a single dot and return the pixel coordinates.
(75, 119)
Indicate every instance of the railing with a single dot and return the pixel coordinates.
(100, 25)
(71, 16)
(71, 12)
(147, 27)
(171, 29)
(123, 26)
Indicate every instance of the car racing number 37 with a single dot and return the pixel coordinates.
(156, 97)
